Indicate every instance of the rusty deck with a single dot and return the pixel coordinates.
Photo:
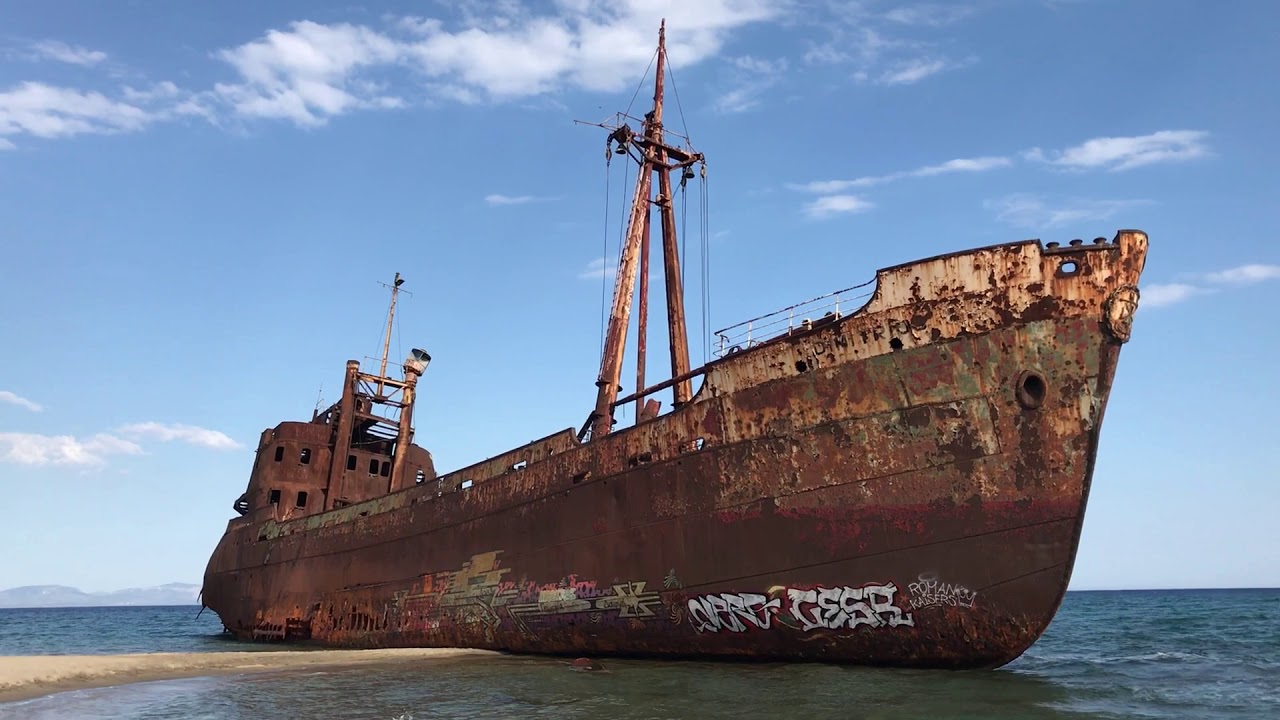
(904, 486)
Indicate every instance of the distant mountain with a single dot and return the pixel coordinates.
(35, 596)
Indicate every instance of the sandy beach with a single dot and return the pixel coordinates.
(27, 676)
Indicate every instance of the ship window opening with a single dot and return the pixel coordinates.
(694, 445)
(302, 499)
(520, 465)
(802, 366)
(581, 476)
(895, 343)
(1068, 268)
(1032, 390)
(421, 477)
(373, 466)
(386, 468)
(465, 484)
(351, 462)
(640, 459)
(275, 497)
(305, 456)
(279, 453)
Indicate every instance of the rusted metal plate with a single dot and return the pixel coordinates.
(903, 486)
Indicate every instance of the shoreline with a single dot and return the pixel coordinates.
(26, 677)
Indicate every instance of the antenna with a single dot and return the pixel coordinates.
(319, 401)
(391, 314)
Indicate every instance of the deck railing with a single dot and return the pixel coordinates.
(801, 316)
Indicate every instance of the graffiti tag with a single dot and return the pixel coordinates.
(734, 612)
(847, 607)
(928, 591)
(816, 608)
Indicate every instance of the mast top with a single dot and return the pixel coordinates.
(386, 344)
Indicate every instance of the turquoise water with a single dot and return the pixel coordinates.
(1135, 654)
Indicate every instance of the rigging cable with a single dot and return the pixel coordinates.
(641, 84)
(684, 226)
(684, 208)
(622, 235)
(604, 261)
(706, 262)
(679, 109)
(608, 161)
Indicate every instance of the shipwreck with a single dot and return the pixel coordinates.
(897, 483)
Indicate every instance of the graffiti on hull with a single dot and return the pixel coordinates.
(734, 612)
(847, 607)
(803, 608)
(928, 591)
(557, 603)
(467, 597)
(480, 595)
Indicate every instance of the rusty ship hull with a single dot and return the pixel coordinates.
(904, 485)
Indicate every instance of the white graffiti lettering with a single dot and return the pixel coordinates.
(847, 607)
(735, 612)
(928, 591)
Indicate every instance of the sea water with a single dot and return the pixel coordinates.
(1199, 654)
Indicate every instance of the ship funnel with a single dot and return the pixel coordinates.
(417, 361)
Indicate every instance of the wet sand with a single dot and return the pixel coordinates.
(27, 676)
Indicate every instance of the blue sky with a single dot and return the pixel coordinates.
(199, 202)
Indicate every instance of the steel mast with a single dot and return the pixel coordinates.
(654, 156)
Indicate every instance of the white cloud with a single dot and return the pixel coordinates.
(62, 52)
(1126, 153)
(191, 434)
(835, 201)
(499, 199)
(1246, 274)
(37, 449)
(738, 100)
(47, 111)
(977, 164)
(930, 14)
(159, 91)
(753, 77)
(599, 268)
(33, 449)
(1033, 211)
(859, 44)
(830, 205)
(310, 71)
(880, 47)
(913, 71)
(16, 399)
(1160, 295)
